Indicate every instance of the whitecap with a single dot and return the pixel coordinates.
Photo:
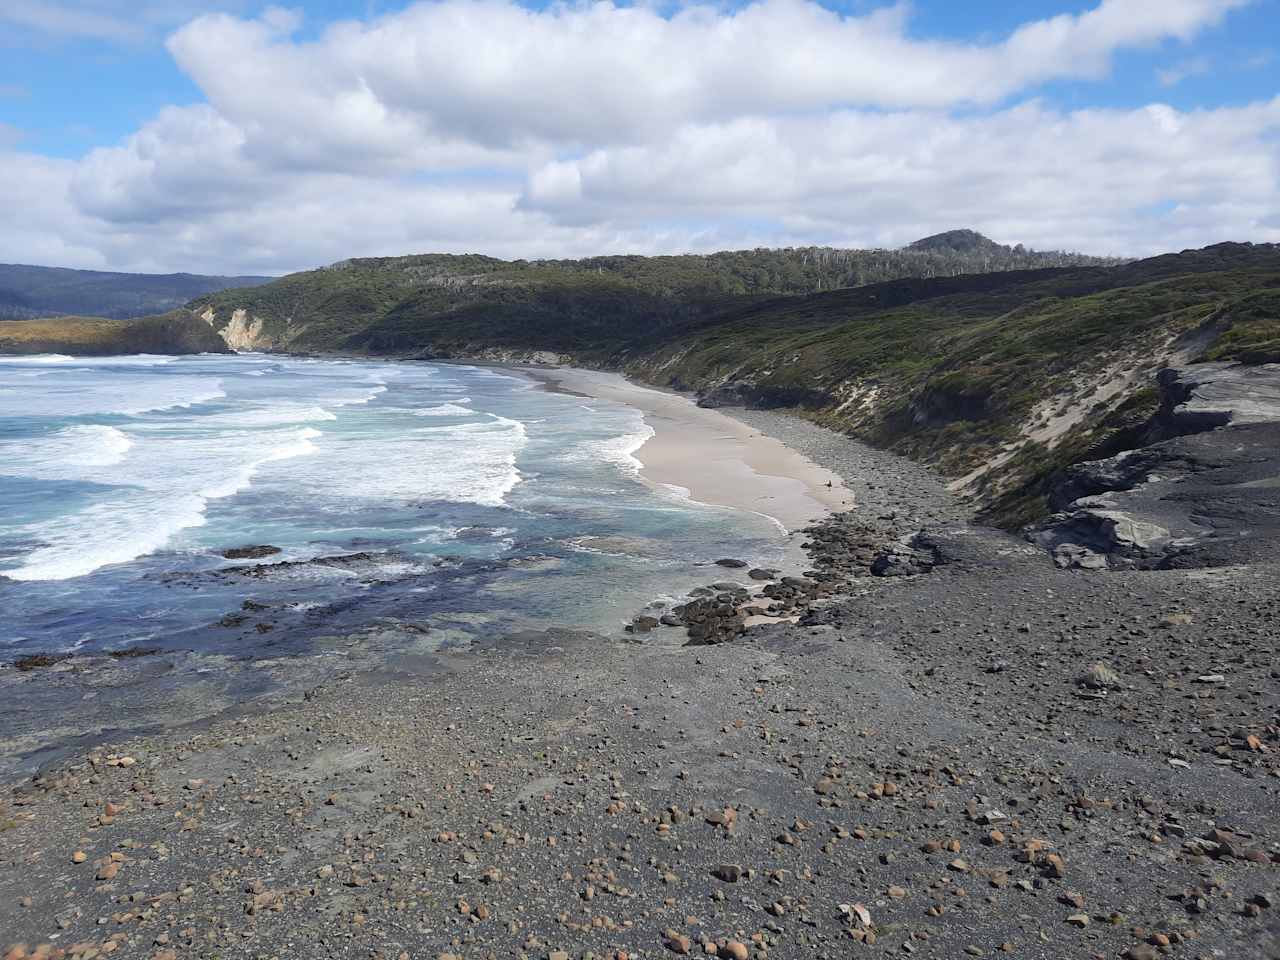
(38, 358)
(459, 463)
(272, 416)
(75, 393)
(619, 449)
(115, 531)
(163, 487)
(57, 455)
(452, 409)
(351, 396)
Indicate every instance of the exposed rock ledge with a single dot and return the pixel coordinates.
(1204, 492)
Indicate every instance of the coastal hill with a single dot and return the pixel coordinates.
(999, 378)
(576, 304)
(176, 332)
(999, 366)
(28, 291)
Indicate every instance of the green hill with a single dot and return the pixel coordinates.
(177, 332)
(27, 292)
(997, 378)
(397, 304)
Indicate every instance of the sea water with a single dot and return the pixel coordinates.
(461, 499)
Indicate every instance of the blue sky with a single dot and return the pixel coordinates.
(100, 94)
(76, 93)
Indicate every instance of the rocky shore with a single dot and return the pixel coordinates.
(957, 749)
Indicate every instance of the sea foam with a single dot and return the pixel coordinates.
(55, 456)
(163, 487)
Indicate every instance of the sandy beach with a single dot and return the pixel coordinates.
(713, 458)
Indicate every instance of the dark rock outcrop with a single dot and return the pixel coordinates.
(760, 396)
(1206, 492)
(254, 552)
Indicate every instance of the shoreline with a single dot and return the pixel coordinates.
(746, 470)
(917, 763)
(711, 457)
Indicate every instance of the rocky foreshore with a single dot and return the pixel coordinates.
(976, 755)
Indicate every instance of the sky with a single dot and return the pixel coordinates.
(235, 137)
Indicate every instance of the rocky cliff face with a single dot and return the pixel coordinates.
(1203, 491)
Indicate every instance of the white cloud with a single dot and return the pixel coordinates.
(113, 21)
(485, 126)
(1087, 178)
(1173, 75)
(495, 73)
(39, 223)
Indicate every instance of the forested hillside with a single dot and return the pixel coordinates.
(999, 379)
(27, 292)
(376, 303)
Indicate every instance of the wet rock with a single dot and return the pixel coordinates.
(38, 661)
(252, 552)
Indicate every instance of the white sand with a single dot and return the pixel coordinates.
(713, 458)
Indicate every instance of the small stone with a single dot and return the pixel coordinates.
(857, 912)
(959, 866)
(1078, 919)
(728, 872)
(735, 950)
(1099, 676)
(678, 942)
(79, 857)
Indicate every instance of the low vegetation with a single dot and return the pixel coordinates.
(176, 332)
(602, 304)
(998, 378)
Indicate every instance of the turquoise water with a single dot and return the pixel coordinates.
(464, 499)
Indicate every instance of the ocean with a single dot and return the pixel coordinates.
(463, 501)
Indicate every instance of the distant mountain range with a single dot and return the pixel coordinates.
(27, 292)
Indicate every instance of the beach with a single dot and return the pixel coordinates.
(929, 765)
(713, 458)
